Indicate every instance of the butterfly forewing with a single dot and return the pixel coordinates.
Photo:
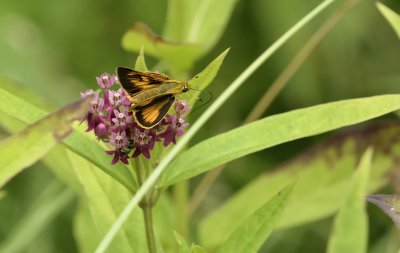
(149, 115)
(133, 81)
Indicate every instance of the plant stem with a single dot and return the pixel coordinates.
(148, 221)
(181, 206)
(146, 209)
(279, 83)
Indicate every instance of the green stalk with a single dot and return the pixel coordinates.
(148, 221)
(181, 197)
(146, 209)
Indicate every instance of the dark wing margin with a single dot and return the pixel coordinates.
(149, 115)
(133, 81)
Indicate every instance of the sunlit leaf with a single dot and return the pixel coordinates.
(106, 198)
(55, 159)
(140, 64)
(183, 246)
(251, 234)
(206, 76)
(178, 54)
(79, 141)
(392, 17)
(350, 231)
(84, 228)
(200, 22)
(21, 150)
(332, 163)
(275, 130)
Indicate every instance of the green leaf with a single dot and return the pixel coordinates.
(200, 22)
(52, 201)
(324, 173)
(106, 198)
(209, 22)
(392, 17)
(390, 204)
(140, 64)
(275, 130)
(250, 236)
(180, 14)
(85, 231)
(21, 150)
(22, 92)
(386, 243)
(197, 249)
(183, 246)
(350, 232)
(206, 76)
(55, 159)
(79, 141)
(179, 55)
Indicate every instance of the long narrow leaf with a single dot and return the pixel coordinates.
(21, 150)
(105, 198)
(332, 161)
(350, 232)
(250, 236)
(275, 130)
(392, 17)
(78, 141)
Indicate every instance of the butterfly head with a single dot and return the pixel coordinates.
(185, 87)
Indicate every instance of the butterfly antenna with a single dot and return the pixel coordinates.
(200, 100)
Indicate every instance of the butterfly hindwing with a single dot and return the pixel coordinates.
(151, 114)
(133, 81)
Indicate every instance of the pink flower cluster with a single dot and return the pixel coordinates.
(111, 120)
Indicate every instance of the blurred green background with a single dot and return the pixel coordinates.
(56, 48)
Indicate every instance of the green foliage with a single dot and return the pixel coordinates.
(51, 202)
(249, 236)
(78, 141)
(35, 50)
(140, 64)
(275, 130)
(350, 231)
(179, 56)
(206, 76)
(331, 162)
(199, 22)
(392, 17)
(26, 147)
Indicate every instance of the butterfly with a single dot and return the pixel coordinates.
(151, 94)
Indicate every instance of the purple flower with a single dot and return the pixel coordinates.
(176, 124)
(110, 117)
(181, 107)
(94, 116)
(105, 81)
(117, 98)
(119, 139)
(118, 156)
(122, 119)
(101, 131)
(143, 142)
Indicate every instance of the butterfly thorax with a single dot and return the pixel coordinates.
(172, 87)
